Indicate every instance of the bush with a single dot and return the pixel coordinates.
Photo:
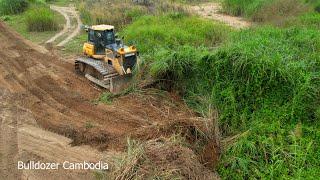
(12, 6)
(41, 19)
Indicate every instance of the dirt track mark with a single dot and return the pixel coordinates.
(213, 11)
(70, 30)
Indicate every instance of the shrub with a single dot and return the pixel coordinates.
(41, 19)
(12, 6)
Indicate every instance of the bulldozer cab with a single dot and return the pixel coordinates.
(101, 36)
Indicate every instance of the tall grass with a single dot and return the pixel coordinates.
(266, 82)
(149, 33)
(41, 19)
(265, 10)
(263, 81)
(117, 13)
(12, 6)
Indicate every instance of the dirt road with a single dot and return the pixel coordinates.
(39, 92)
(71, 28)
(213, 11)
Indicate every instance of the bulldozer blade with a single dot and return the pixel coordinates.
(119, 83)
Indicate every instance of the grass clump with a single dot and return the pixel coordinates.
(106, 97)
(149, 33)
(8, 7)
(41, 19)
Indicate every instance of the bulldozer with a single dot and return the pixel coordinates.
(106, 61)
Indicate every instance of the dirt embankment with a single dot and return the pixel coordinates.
(38, 88)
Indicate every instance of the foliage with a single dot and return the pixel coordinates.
(149, 33)
(41, 19)
(265, 81)
(12, 6)
(265, 10)
(116, 13)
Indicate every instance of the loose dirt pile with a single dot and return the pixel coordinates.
(161, 159)
(62, 102)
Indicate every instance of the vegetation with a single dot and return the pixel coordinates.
(117, 13)
(150, 33)
(121, 13)
(265, 10)
(263, 81)
(36, 17)
(41, 19)
(13, 6)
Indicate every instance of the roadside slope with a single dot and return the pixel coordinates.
(40, 89)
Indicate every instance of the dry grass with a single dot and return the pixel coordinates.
(120, 13)
(161, 158)
(117, 13)
(279, 10)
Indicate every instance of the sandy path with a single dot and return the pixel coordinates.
(213, 11)
(70, 30)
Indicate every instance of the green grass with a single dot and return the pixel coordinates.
(19, 24)
(37, 8)
(41, 19)
(76, 44)
(263, 81)
(149, 33)
(8, 7)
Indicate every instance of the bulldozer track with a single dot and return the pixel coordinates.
(103, 73)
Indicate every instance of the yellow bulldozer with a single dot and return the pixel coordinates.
(107, 62)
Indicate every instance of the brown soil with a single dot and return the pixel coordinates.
(46, 87)
(212, 10)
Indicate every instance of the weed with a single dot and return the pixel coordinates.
(89, 125)
(106, 97)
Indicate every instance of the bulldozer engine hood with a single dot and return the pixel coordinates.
(115, 47)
